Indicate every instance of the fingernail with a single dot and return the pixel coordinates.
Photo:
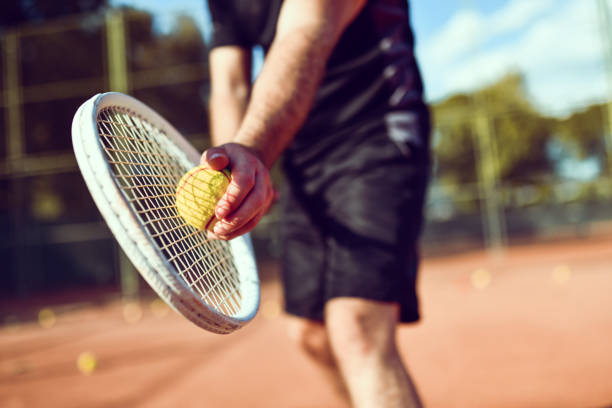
(220, 228)
(214, 156)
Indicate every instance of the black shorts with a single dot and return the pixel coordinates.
(352, 212)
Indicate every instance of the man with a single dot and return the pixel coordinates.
(340, 96)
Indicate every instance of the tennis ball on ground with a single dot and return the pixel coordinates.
(481, 278)
(197, 195)
(46, 318)
(132, 312)
(87, 362)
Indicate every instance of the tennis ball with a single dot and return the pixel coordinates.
(197, 194)
(87, 362)
(46, 318)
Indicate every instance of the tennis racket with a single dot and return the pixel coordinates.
(131, 160)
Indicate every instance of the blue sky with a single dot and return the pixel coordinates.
(465, 44)
(556, 43)
(427, 20)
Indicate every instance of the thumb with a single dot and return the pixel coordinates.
(216, 158)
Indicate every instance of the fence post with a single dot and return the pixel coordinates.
(603, 13)
(12, 97)
(13, 105)
(118, 82)
(116, 52)
(493, 219)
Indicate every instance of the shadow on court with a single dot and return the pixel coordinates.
(531, 329)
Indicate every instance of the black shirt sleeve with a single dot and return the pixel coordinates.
(226, 28)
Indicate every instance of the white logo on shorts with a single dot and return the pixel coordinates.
(403, 130)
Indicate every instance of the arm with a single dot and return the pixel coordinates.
(307, 32)
(230, 83)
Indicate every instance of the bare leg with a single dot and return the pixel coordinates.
(312, 339)
(362, 336)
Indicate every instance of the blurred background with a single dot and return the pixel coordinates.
(520, 91)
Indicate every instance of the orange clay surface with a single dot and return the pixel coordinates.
(530, 329)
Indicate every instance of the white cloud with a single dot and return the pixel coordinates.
(517, 14)
(556, 44)
(467, 30)
(461, 35)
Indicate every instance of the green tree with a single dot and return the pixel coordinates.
(584, 132)
(518, 131)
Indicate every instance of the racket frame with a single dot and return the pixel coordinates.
(134, 238)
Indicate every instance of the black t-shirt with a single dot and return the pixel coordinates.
(371, 71)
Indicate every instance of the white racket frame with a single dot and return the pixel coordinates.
(133, 237)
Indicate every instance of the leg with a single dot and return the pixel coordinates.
(311, 338)
(362, 336)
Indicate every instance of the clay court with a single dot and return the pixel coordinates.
(530, 329)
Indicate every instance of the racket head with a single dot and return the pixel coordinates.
(131, 159)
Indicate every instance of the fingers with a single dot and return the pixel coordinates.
(240, 231)
(257, 200)
(216, 158)
(243, 181)
(228, 231)
(249, 194)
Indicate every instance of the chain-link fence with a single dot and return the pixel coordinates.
(504, 173)
(52, 235)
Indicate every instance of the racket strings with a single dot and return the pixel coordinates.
(147, 176)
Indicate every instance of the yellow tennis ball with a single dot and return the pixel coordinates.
(87, 362)
(198, 193)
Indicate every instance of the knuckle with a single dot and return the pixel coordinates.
(232, 193)
(246, 179)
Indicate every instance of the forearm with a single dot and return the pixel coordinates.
(230, 81)
(284, 92)
(282, 96)
(226, 111)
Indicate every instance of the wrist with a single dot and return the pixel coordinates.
(254, 148)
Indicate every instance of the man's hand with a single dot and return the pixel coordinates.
(306, 33)
(249, 194)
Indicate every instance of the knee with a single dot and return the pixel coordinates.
(360, 330)
(311, 338)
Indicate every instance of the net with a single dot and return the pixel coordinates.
(146, 169)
